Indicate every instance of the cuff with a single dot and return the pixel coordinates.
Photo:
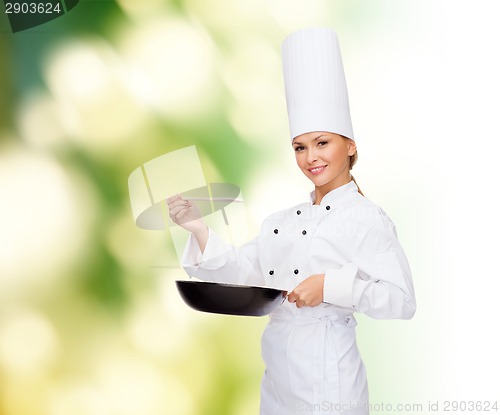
(214, 256)
(338, 285)
(192, 256)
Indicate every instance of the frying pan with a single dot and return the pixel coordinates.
(238, 300)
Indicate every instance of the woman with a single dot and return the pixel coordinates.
(335, 255)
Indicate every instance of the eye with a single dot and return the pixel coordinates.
(299, 148)
(322, 143)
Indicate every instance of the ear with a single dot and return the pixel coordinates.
(351, 147)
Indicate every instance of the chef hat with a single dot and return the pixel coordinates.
(315, 86)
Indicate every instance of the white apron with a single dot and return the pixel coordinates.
(312, 367)
(312, 361)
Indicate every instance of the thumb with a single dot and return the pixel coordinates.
(292, 297)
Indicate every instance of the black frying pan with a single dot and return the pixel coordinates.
(239, 300)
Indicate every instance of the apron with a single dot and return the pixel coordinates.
(313, 366)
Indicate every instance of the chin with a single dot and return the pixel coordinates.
(319, 183)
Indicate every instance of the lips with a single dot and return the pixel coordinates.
(317, 170)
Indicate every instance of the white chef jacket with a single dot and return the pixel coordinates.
(312, 361)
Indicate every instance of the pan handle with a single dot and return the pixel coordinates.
(285, 296)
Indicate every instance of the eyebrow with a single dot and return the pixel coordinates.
(299, 143)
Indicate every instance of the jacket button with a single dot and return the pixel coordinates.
(328, 208)
(298, 212)
(276, 231)
(271, 272)
(304, 232)
(296, 271)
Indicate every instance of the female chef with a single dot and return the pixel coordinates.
(335, 255)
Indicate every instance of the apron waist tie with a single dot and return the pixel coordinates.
(347, 320)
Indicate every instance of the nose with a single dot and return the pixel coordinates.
(311, 156)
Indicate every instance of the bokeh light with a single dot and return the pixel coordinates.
(40, 122)
(172, 62)
(45, 221)
(28, 343)
(95, 106)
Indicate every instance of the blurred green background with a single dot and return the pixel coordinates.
(90, 320)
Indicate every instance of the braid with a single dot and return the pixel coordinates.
(359, 190)
(352, 161)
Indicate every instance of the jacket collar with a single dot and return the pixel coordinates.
(335, 196)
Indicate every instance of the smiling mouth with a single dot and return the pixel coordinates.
(317, 170)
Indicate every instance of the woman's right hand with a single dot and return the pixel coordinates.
(185, 214)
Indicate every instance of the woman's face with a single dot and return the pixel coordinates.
(324, 158)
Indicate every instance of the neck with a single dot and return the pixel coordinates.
(321, 191)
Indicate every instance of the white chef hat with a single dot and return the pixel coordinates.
(315, 86)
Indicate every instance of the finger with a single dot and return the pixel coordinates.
(178, 207)
(178, 202)
(185, 215)
(176, 210)
(173, 198)
(292, 297)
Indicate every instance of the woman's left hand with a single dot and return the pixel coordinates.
(309, 292)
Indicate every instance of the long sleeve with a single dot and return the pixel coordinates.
(377, 281)
(221, 262)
